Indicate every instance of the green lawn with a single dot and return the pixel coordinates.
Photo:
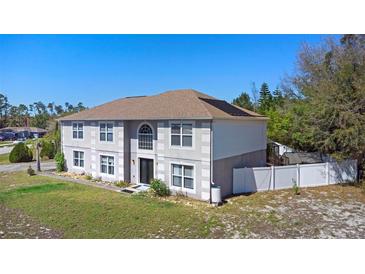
(5, 143)
(69, 210)
(85, 212)
(4, 159)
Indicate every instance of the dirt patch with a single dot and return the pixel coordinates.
(325, 212)
(16, 225)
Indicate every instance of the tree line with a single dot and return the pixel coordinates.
(321, 107)
(37, 114)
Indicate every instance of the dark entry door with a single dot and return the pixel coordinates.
(145, 170)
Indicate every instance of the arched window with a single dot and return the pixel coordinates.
(145, 137)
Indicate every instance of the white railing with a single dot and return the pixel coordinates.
(247, 180)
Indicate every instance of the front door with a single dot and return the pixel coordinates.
(145, 170)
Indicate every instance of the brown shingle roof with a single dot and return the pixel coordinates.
(176, 104)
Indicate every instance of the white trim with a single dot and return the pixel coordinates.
(182, 188)
(106, 133)
(193, 124)
(72, 130)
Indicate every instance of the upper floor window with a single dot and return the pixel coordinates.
(145, 137)
(106, 132)
(182, 134)
(77, 130)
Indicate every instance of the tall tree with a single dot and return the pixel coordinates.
(18, 116)
(50, 108)
(58, 109)
(265, 100)
(4, 110)
(331, 79)
(243, 101)
(40, 108)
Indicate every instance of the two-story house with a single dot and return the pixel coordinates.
(186, 138)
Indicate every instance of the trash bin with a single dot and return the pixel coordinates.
(216, 195)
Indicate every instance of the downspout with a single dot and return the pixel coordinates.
(61, 135)
(211, 162)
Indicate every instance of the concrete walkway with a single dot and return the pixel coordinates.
(82, 182)
(45, 166)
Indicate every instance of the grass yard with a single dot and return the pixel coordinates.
(77, 211)
(4, 159)
(5, 143)
(38, 206)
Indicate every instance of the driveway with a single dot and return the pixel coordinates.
(5, 149)
(49, 165)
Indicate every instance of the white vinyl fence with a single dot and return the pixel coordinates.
(246, 180)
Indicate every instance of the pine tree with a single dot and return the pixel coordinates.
(265, 100)
(243, 101)
(278, 97)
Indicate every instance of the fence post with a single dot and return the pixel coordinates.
(273, 177)
(327, 173)
(298, 175)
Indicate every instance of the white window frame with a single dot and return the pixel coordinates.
(182, 188)
(153, 135)
(192, 123)
(78, 130)
(107, 165)
(73, 159)
(106, 132)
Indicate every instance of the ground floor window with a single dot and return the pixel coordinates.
(107, 164)
(183, 176)
(79, 158)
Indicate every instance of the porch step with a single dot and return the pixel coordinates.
(135, 189)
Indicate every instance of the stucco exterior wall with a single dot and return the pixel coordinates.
(164, 155)
(236, 144)
(231, 138)
(126, 153)
(93, 148)
(223, 168)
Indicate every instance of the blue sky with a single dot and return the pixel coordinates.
(95, 69)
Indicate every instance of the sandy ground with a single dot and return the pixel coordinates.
(16, 225)
(325, 212)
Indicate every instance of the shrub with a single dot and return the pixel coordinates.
(122, 184)
(159, 188)
(88, 177)
(48, 150)
(60, 162)
(296, 188)
(30, 171)
(20, 153)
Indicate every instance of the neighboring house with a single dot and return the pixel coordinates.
(185, 138)
(293, 158)
(279, 149)
(24, 132)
